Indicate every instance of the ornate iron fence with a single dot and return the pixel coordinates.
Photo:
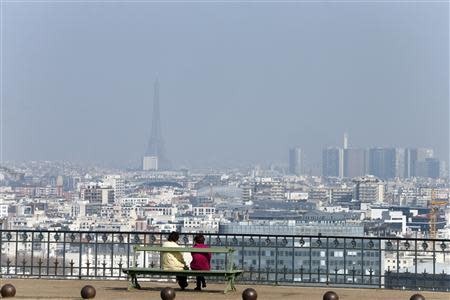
(400, 263)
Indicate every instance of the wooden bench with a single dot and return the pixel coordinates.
(229, 273)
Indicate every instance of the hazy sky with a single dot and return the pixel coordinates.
(239, 81)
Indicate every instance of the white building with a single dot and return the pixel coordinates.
(204, 211)
(150, 163)
(204, 225)
(4, 210)
(369, 189)
(117, 183)
(134, 201)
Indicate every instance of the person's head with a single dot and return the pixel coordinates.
(173, 237)
(199, 239)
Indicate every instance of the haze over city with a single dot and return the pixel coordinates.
(240, 82)
(197, 148)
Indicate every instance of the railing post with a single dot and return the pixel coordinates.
(293, 259)
(56, 267)
(380, 264)
(362, 261)
(112, 255)
(8, 264)
(398, 260)
(88, 263)
(104, 267)
(276, 260)
(95, 254)
(259, 259)
(434, 263)
(64, 255)
(310, 260)
(80, 260)
(128, 251)
(32, 253)
(48, 254)
(17, 253)
(71, 267)
(327, 262)
(40, 267)
(24, 262)
(353, 274)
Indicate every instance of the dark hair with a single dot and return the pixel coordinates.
(173, 236)
(199, 239)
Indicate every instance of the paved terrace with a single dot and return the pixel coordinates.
(109, 289)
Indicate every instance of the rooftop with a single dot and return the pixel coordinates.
(117, 289)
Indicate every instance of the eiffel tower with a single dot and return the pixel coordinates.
(155, 156)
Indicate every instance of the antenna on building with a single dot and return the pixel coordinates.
(345, 140)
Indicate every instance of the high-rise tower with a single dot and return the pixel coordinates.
(155, 156)
(333, 162)
(296, 161)
(345, 140)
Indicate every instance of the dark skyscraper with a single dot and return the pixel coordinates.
(155, 156)
(332, 162)
(414, 159)
(383, 162)
(429, 168)
(354, 162)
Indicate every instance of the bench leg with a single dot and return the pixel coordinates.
(233, 288)
(133, 283)
(230, 284)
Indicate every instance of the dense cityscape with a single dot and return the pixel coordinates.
(365, 198)
(224, 149)
(378, 191)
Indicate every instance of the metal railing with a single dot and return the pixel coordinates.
(397, 263)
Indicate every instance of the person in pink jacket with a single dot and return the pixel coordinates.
(200, 261)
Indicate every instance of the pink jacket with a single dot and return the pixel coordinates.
(201, 261)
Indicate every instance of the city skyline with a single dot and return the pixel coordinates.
(232, 91)
(299, 143)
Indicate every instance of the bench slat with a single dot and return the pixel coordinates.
(138, 271)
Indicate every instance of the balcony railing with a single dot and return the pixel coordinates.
(397, 263)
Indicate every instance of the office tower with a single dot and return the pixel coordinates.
(414, 157)
(333, 162)
(410, 161)
(296, 161)
(382, 162)
(345, 140)
(433, 167)
(369, 189)
(429, 168)
(354, 162)
(400, 162)
(443, 170)
(155, 155)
